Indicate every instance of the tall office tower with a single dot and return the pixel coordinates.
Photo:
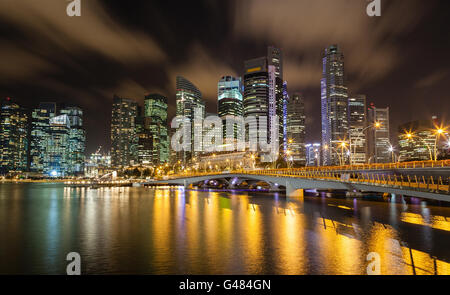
(189, 100)
(40, 128)
(275, 65)
(57, 161)
(419, 146)
(313, 154)
(333, 104)
(13, 137)
(378, 142)
(230, 103)
(144, 142)
(256, 94)
(357, 123)
(77, 139)
(123, 133)
(285, 115)
(155, 116)
(296, 129)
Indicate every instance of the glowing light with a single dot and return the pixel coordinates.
(54, 173)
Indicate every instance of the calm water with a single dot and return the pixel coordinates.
(147, 231)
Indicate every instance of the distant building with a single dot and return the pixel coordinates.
(420, 145)
(40, 130)
(313, 155)
(13, 137)
(378, 139)
(357, 123)
(333, 104)
(123, 133)
(188, 101)
(97, 165)
(296, 129)
(230, 103)
(285, 115)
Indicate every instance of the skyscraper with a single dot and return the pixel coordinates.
(155, 114)
(263, 93)
(256, 94)
(296, 128)
(357, 124)
(13, 137)
(275, 65)
(123, 133)
(285, 115)
(56, 155)
(77, 139)
(189, 100)
(230, 102)
(333, 104)
(40, 130)
(378, 142)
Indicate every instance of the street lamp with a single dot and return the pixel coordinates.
(438, 133)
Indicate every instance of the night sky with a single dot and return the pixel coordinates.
(130, 48)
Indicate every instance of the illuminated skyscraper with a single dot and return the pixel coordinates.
(155, 116)
(40, 130)
(275, 65)
(191, 106)
(230, 102)
(57, 155)
(256, 94)
(13, 137)
(263, 92)
(123, 133)
(77, 139)
(378, 141)
(333, 104)
(296, 129)
(357, 124)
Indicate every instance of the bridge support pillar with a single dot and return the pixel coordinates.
(294, 192)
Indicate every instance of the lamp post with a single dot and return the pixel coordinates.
(438, 133)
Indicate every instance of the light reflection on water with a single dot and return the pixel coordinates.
(148, 231)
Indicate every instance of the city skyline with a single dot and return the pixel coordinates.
(386, 77)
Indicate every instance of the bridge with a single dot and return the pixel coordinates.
(429, 179)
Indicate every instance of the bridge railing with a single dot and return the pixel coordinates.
(418, 182)
(426, 183)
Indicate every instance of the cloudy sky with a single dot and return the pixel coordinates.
(400, 59)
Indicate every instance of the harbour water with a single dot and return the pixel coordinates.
(140, 230)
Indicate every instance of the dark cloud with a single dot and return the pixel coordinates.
(135, 47)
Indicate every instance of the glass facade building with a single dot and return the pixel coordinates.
(420, 147)
(13, 137)
(296, 129)
(333, 104)
(357, 123)
(378, 142)
(155, 121)
(230, 102)
(190, 105)
(40, 130)
(124, 141)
